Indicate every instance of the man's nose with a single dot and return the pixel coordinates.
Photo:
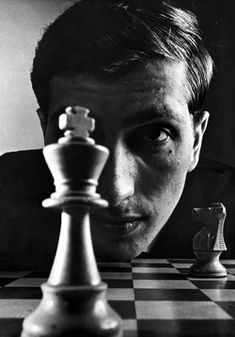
(117, 181)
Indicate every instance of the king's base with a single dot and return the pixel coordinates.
(79, 311)
(208, 265)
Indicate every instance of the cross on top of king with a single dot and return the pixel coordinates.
(76, 122)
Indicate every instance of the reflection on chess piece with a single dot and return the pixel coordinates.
(209, 243)
(74, 302)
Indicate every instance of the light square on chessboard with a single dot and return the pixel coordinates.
(114, 294)
(152, 261)
(130, 324)
(220, 295)
(152, 270)
(182, 265)
(179, 310)
(17, 308)
(227, 262)
(129, 328)
(27, 282)
(163, 284)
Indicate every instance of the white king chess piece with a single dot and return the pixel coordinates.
(74, 299)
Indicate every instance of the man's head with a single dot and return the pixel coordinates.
(141, 69)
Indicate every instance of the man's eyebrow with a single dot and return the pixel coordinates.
(139, 117)
(145, 115)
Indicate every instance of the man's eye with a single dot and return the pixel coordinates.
(155, 135)
(150, 138)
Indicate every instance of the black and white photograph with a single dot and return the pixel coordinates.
(117, 168)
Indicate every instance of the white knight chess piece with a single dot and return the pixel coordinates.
(209, 243)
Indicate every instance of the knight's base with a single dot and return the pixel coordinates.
(198, 273)
(208, 265)
(71, 312)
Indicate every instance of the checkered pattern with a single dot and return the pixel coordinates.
(154, 298)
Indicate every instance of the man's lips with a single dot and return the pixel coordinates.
(118, 220)
(124, 225)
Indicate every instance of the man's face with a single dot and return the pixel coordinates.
(143, 119)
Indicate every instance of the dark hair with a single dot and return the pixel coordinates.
(110, 36)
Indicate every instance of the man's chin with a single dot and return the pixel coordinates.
(114, 252)
(121, 248)
(122, 243)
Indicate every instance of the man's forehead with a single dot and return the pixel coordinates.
(135, 89)
(145, 77)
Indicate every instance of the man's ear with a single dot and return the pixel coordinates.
(200, 124)
(43, 120)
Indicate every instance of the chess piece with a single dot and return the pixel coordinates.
(209, 243)
(74, 302)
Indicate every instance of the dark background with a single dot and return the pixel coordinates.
(217, 20)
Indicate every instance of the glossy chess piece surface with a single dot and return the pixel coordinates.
(74, 297)
(208, 243)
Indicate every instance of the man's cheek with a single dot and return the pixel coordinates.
(161, 178)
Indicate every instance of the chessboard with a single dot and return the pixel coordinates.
(154, 298)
